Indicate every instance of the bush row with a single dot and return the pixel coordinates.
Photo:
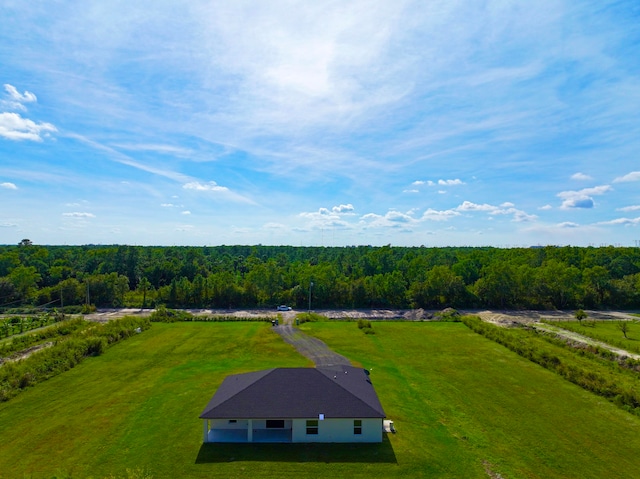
(225, 318)
(65, 354)
(607, 380)
(166, 315)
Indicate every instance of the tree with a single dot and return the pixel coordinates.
(442, 287)
(580, 315)
(25, 242)
(623, 326)
(144, 285)
(25, 279)
(499, 285)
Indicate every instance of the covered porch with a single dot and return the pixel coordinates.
(247, 431)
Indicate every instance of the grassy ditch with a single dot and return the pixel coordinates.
(65, 354)
(587, 369)
(607, 332)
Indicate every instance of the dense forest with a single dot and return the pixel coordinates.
(336, 277)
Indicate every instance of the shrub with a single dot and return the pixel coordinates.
(365, 326)
(310, 317)
(448, 314)
(88, 308)
(162, 314)
(364, 323)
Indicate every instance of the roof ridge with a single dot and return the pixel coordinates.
(351, 392)
(246, 386)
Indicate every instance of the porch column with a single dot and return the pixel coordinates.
(250, 431)
(206, 430)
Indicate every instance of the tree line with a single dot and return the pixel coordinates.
(331, 277)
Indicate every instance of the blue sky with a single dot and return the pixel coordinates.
(436, 123)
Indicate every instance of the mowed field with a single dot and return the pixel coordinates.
(464, 407)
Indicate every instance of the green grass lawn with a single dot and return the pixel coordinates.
(608, 332)
(460, 401)
(462, 404)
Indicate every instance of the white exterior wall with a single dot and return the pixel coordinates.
(338, 430)
(262, 424)
(224, 424)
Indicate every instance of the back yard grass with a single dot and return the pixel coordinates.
(463, 406)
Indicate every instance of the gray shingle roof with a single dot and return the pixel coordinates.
(286, 393)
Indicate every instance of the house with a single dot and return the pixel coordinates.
(326, 404)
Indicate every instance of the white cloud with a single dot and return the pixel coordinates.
(325, 218)
(16, 99)
(343, 208)
(210, 186)
(392, 219)
(411, 191)
(469, 206)
(14, 127)
(454, 182)
(333, 215)
(621, 221)
(8, 186)
(186, 213)
(8, 225)
(26, 97)
(582, 198)
(633, 176)
(77, 214)
(581, 177)
(506, 208)
(546, 207)
(434, 215)
(629, 208)
(578, 202)
(450, 182)
(168, 205)
(156, 148)
(568, 224)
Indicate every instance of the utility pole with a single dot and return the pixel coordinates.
(61, 303)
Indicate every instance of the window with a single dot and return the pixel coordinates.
(357, 426)
(233, 421)
(312, 426)
(275, 423)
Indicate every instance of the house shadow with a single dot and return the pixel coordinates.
(299, 452)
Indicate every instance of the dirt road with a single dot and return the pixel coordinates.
(309, 347)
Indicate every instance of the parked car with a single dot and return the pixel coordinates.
(283, 307)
